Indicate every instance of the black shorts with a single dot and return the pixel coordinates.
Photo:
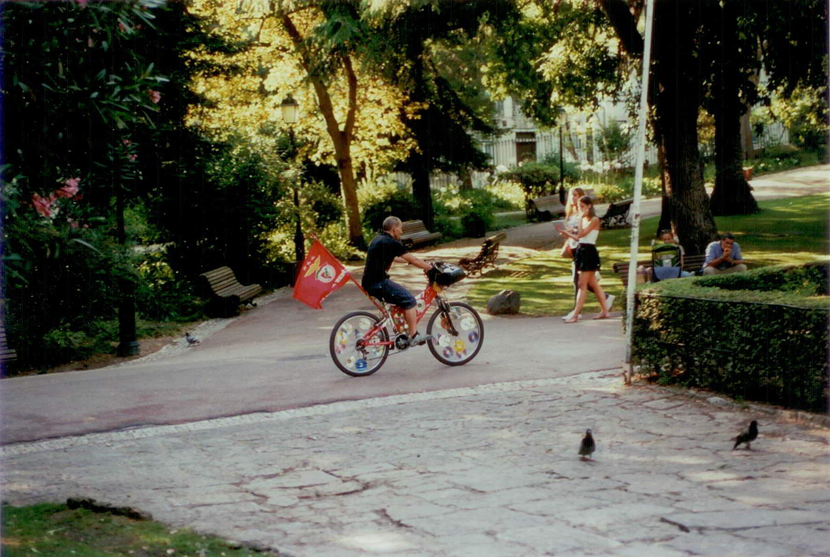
(587, 258)
(392, 293)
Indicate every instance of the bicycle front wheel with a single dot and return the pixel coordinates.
(352, 351)
(458, 347)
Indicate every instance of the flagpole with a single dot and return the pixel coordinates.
(638, 187)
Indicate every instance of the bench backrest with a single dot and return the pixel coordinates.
(413, 227)
(221, 278)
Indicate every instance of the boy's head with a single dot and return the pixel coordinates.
(666, 236)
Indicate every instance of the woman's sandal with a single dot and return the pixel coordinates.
(603, 316)
(572, 320)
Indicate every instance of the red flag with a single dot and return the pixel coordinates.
(320, 275)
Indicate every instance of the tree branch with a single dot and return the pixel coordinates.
(352, 80)
(624, 24)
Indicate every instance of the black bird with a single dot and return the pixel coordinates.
(747, 436)
(587, 447)
(191, 341)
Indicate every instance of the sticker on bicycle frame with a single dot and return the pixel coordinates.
(360, 365)
(448, 352)
(473, 337)
(460, 346)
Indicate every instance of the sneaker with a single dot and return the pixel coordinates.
(609, 302)
(418, 339)
(566, 317)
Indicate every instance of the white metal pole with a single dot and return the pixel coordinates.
(638, 187)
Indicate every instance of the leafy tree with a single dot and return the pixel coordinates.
(76, 93)
(792, 39)
(434, 52)
(312, 50)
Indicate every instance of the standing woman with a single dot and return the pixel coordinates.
(587, 258)
(572, 218)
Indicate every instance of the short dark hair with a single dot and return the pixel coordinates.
(727, 236)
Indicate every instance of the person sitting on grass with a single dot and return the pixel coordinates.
(723, 256)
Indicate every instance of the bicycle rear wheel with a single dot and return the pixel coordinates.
(347, 344)
(459, 348)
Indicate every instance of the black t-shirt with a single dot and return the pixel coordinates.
(382, 251)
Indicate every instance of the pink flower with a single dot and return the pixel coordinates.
(70, 189)
(73, 224)
(155, 96)
(89, 42)
(126, 142)
(121, 26)
(44, 206)
(83, 3)
(133, 157)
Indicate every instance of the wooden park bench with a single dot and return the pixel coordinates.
(227, 293)
(547, 207)
(415, 232)
(7, 355)
(691, 264)
(616, 216)
(486, 257)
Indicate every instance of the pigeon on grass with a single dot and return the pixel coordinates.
(587, 447)
(191, 340)
(747, 436)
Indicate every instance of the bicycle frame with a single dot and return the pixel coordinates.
(395, 315)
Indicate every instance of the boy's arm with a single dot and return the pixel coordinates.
(417, 261)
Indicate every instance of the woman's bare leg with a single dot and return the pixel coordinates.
(584, 278)
(600, 297)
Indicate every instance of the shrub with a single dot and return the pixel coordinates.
(477, 221)
(535, 178)
(378, 201)
(705, 332)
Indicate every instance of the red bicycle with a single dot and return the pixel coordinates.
(361, 340)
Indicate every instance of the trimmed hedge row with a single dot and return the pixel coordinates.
(760, 335)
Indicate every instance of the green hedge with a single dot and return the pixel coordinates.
(760, 335)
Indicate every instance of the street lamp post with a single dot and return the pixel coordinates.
(290, 112)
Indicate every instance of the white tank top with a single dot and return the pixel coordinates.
(591, 237)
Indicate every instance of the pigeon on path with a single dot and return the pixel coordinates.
(587, 447)
(191, 341)
(747, 436)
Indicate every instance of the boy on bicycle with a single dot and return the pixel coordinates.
(383, 250)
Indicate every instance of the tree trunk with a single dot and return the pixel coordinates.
(342, 140)
(746, 137)
(675, 99)
(677, 103)
(732, 194)
(421, 190)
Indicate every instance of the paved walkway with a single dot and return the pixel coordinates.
(484, 470)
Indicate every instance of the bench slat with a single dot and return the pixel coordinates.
(227, 291)
(415, 232)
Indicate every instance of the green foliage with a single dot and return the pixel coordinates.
(382, 199)
(535, 178)
(51, 529)
(624, 189)
(477, 221)
(501, 196)
(161, 295)
(614, 141)
(787, 307)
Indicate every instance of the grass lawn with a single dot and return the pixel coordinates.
(48, 529)
(786, 231)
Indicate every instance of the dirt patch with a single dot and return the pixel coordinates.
(147, 346)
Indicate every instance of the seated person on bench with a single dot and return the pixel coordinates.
(723, 256)
(383, 250)
(666, 259)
